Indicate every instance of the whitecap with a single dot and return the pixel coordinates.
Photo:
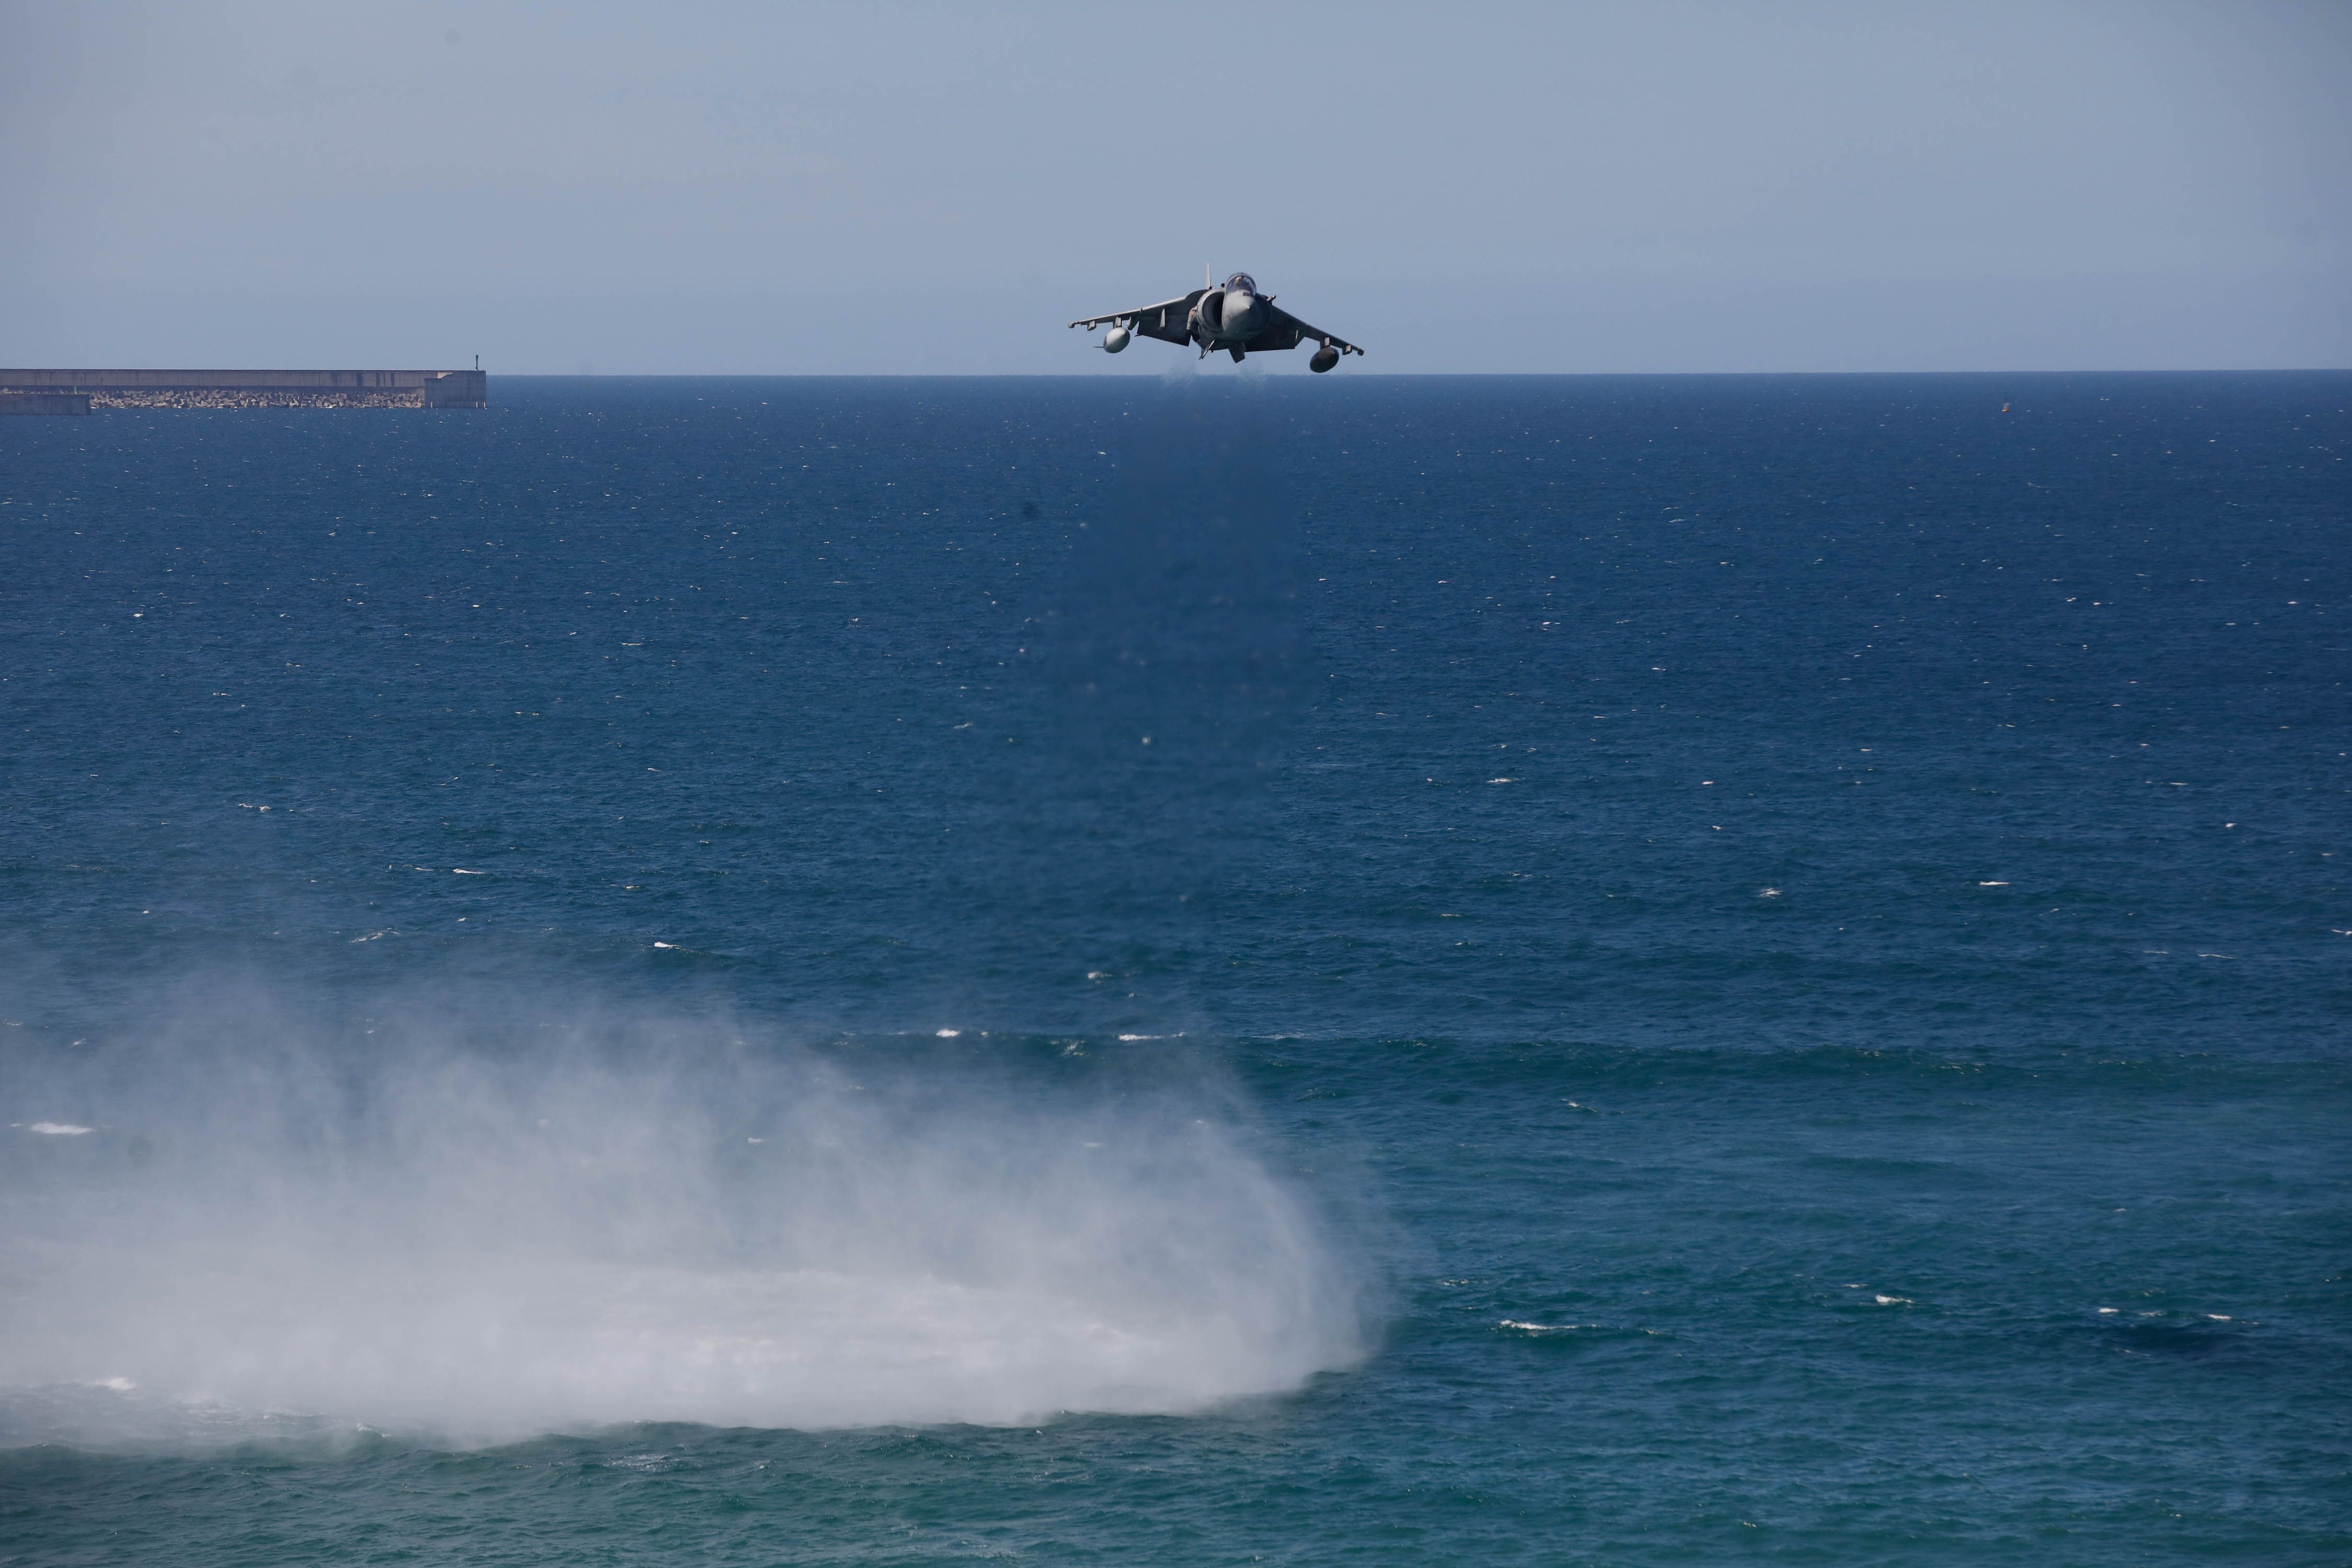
(60, 1129)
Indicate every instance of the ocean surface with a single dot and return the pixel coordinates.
(1206, 971)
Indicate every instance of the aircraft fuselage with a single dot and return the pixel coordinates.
(1234, 314)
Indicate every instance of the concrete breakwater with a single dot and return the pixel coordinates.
(44, 403)
(256, 388)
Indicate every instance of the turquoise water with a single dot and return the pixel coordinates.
(1550, 970)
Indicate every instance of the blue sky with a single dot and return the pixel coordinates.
(726, 188)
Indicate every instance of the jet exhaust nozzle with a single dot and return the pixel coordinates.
(1117, 339)
(1324, 358)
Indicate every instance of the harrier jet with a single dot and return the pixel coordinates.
(1236, 317)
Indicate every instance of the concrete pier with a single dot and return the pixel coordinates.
(44, 403)
(257, 388)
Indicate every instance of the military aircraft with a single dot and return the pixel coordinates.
(1236, 317)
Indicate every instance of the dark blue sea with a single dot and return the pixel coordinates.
(1606, 970)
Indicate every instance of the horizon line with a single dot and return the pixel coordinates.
(1358, 375)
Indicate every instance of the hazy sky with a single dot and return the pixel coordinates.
(938, 188)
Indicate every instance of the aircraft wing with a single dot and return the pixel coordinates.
(1285, 330)
(1165, 321)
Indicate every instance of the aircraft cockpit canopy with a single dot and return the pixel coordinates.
(1243, 281)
